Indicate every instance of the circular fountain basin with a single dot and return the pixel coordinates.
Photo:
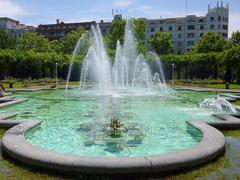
(71, 136)
(160, 120)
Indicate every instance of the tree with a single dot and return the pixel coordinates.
(211, 42)
(69, 42)
(235, 39)
(162, 43)
(6, 40)
(140, 26)
(33, 41)
(55, 46)
(231, 61)
(116, 32)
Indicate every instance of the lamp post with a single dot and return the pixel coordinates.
(173, 66)
(56, 74)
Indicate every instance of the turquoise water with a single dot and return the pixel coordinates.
(75, 125)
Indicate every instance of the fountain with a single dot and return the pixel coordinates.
(130, 121)
(218, 103)
(129, 72)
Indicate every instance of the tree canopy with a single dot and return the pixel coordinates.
(6, 40)
(211, 42)
(235, 39)
(162, 43)
(68, 43)
(140, 26)
(32, 41)
(116, 32)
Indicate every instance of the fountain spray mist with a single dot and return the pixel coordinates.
(129, 70)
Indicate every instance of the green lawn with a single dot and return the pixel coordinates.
(236, 103)
(222, 86)
(20, 84)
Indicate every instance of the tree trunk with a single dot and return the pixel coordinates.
(2, 75)
(51, 71)
(228, 74)
(215, 71)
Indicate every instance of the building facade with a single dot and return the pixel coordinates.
(60, 29)
(185, 31)
(14, 27)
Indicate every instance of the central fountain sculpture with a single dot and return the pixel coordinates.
(129, 69)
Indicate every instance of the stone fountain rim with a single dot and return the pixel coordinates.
(16, 146)
(212, 145)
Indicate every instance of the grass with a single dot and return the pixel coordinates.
(222, 86)
(216, 84)
(15, 85)
(20, 84)
(236, 103)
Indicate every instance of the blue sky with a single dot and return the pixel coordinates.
(34, 12)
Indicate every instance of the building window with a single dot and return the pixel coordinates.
(190, 35)
(225, 27)
(179, 36)
(190, 43)
(200, 20)
(212, 26)
(225, 19)
(191, 27)
(104, 31)
(161, 28)
(219, 18)
(219, 26)
(201, 27)
(179, 28)
(212, 19)
(152, 36)
(179, 43)
(170, 28)
(152, 29)
(201, 34)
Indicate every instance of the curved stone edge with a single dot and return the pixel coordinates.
(16, 146)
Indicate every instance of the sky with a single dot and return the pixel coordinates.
(35, 12)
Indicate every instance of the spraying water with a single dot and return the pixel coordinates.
(81, 46)
(130, 70)
(218, 103)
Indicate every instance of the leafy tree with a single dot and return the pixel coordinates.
(211, 42)
(235, 39)
(231, 62)
(6, 40)
(25, 64)
(116, 32)
(162, 43)
(140, 26)
(55, 46)
(32, 41)
(68, 43)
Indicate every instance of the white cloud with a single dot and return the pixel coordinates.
(9, 8)
(122, 3)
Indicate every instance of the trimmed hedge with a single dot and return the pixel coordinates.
(29, 64)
